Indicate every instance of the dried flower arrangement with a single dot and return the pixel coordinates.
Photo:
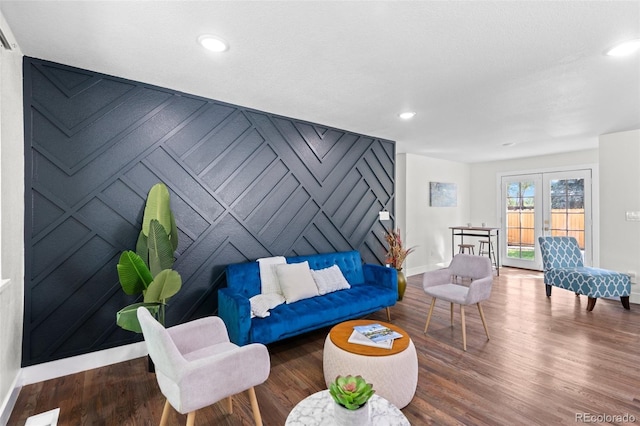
(396, 254)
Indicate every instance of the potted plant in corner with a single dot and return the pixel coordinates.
(396, 255)
(148, 271)
(351, 394)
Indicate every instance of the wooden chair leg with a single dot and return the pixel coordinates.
(165, 414)
(451, 314)
(591, 303)
(548, 288)
(229, 400)
(625, 302)
(484, 323)
(254, 406)
(464, 330)
(191, 418)
(388, 314)
(433, 303)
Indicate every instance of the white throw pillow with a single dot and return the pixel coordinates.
(268, 278)
(261, 303)
(329, 279)
(296, 281)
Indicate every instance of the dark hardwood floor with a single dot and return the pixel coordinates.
(548, 361)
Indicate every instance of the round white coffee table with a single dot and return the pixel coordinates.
(317, 410)
(392, 372)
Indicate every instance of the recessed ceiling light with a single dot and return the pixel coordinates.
(625, 49)
(213, 43)
(408, 115)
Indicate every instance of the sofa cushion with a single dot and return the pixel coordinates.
(296, 281)
(269, 282)
(329, 280)
(349, 262)
(593, 282)
(288, 320)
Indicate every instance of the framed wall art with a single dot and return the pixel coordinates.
(443, 194)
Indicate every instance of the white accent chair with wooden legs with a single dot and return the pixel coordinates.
(466, 281)
(196, 365)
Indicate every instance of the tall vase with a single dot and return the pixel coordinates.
(345, 417)
(402, 284)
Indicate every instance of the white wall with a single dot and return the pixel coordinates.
(478, 199)
(12, 218)
(484, 184)
(620, 193)
(423, 226)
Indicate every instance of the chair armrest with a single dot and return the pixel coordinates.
(436, 277)
(479, 290)
(380, 276)
(235, 311)
(198, 334)
(232, 371)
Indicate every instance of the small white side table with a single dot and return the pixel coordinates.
(317, 410)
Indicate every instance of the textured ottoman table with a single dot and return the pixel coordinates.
(393, 372)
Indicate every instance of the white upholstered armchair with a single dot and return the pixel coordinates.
(466, 281)
(196, 364)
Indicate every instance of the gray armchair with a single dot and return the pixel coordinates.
(196, 365)
(466, 281)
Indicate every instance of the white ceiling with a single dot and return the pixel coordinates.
(479, 74)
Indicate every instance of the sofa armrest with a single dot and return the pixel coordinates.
(235, 311)
(381, 276)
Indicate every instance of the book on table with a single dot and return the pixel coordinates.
(377, 332)
(375, 335)
(360, 339)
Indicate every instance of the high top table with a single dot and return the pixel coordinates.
(477, 231)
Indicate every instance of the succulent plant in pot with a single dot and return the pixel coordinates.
(352, 392)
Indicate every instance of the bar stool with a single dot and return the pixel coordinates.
(486, 247)
(469, 247)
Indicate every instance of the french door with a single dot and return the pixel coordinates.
(554, 203)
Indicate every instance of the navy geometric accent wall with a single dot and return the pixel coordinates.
(244, 184)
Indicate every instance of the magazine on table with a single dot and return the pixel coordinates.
(377, 332)
(360, 339)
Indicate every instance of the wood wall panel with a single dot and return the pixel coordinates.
(244, 184)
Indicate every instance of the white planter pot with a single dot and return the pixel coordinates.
(344, 417)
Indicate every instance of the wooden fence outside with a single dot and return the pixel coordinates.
(520, 225)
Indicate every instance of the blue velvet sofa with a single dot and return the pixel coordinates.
(373, 287)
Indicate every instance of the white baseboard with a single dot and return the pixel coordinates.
(9, 401)
(424, 268)
(64, 367)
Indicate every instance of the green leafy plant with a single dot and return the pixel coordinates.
(352, 392)
(148, 271)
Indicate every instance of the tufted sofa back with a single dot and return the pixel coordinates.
(349, 263)
(245, 277)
